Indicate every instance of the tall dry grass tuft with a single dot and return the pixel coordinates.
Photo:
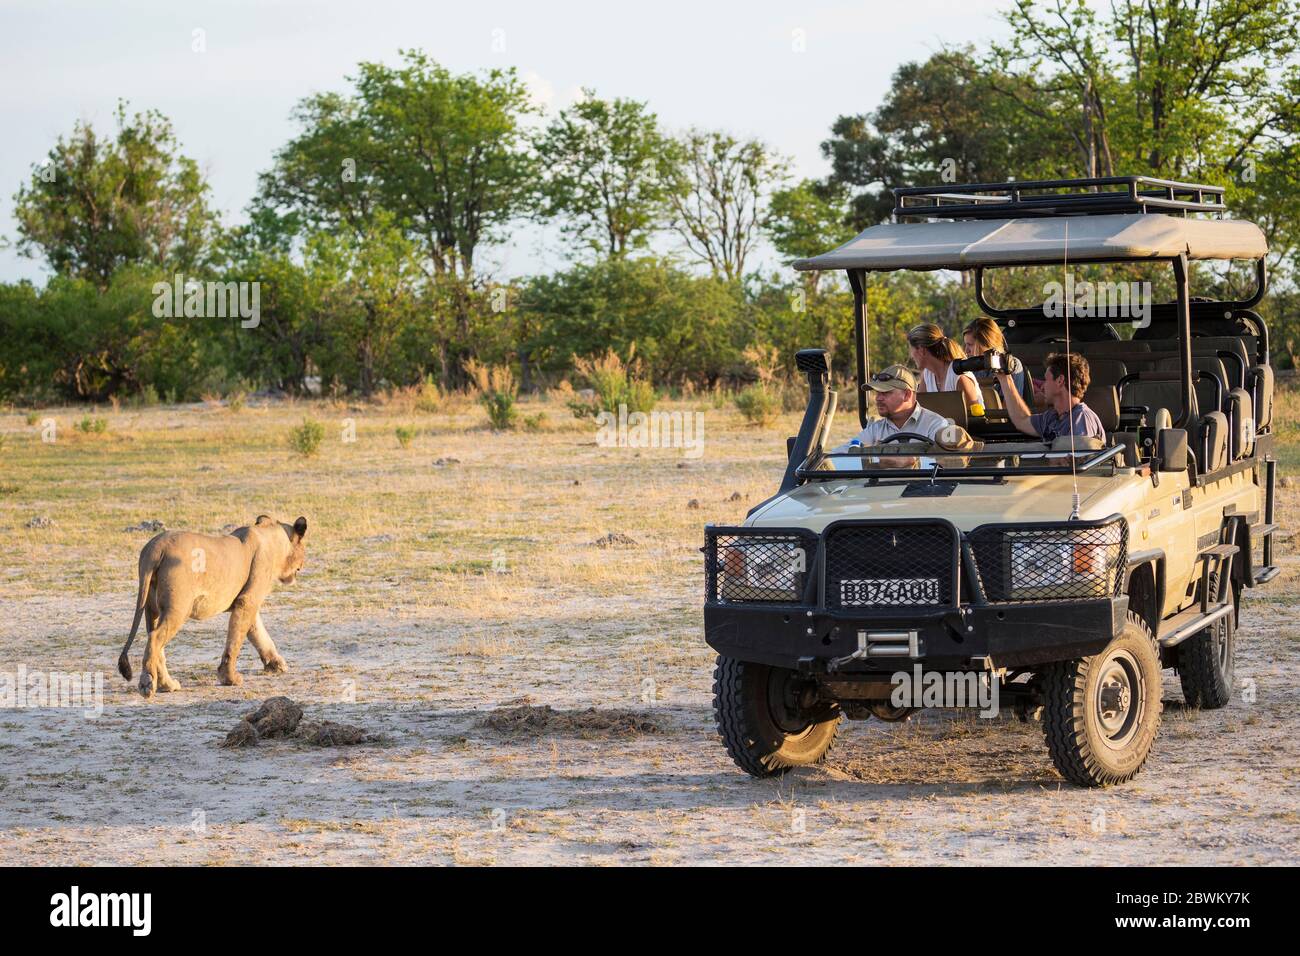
(497, 392)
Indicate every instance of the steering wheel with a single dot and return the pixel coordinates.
(890, 439)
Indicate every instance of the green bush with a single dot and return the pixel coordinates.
(92, 426)
(501, 409)
(406, 434)
(533, 423)
(33, 418)
(758, 404)
(613, 383)
(306, 438)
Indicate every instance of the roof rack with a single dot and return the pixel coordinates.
(1057, 197)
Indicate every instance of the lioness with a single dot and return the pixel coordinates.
(185, 575)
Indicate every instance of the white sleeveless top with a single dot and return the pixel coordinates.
(949, 380)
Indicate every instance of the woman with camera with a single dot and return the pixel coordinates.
(933, 353)
(984, 335)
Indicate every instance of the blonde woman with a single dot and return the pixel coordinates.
(933, 353)
(984, 335)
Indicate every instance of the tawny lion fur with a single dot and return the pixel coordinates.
(186, 576)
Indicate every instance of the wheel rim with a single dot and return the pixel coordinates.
(783, 706)
(1119, 699)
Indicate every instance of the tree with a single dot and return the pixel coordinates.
(942, 120)
(603, 178)
(96, 205)
(326, 176)
(719, 190)
(807, 219)
(448, 153)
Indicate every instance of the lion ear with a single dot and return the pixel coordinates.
(264, 519)
(300, 527)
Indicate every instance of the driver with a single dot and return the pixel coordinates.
(895, 388)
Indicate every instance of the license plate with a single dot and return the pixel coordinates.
(856, 592)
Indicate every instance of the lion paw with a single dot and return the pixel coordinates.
(276, 665)
(146, 685)
(231, 679)
(168, 685)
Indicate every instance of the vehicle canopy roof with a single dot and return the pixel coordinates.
(974, 243)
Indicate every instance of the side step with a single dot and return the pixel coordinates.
(1190, 622)
(1264, 575)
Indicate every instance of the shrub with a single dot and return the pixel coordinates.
(92, 426)
(429, 398)
(613, 383)
(235, 400)
(306, 438)
(406, 434)
(497, 393)
(33, 418)
(758, 404)
(533, 423)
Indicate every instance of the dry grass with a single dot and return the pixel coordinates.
(434, 592)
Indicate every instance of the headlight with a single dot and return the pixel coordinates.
(1064, 564)
(762, 569)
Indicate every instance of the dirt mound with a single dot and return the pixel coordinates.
(280, 717)
(149, 524)
(532, 721)
(615, 539)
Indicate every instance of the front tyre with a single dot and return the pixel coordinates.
(1101, 713)
(769, 719)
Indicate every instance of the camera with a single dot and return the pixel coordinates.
(990, 361)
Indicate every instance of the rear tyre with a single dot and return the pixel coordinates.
(1101, 713)
(1206, 662)
(766, 719)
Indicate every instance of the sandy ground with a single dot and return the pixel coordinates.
(145, 782)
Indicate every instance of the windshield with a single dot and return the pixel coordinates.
(912, 458)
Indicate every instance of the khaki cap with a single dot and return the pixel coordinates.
(893, 378)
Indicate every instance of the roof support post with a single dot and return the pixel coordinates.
(858, 282)
(1184, 338)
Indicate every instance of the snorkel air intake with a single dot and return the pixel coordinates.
(816, 364)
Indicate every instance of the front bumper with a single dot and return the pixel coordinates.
(1016, 635)
(971, 609)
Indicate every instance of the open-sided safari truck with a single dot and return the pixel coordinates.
(1063, 577)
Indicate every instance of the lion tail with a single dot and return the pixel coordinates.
(146, 578)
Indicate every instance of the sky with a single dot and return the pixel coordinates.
(778, 71)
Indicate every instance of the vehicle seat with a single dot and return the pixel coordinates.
(1104, 402)
(1155, 390)
(1211, 388)
(1213, 442)
(1260, 382)
(950, 405)
(1241, 417)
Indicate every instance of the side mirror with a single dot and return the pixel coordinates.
(1171, 449)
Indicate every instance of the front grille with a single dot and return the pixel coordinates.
(1030, 562)
(874, 567)
(744, 567)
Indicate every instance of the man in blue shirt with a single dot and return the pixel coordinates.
(1063, 388)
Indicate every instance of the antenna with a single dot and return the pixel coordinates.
(1069, 381)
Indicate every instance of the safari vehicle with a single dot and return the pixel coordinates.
(1070, 575)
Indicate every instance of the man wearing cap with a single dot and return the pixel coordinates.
(895, 392)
